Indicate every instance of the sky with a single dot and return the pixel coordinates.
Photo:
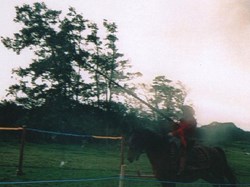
(205, 44)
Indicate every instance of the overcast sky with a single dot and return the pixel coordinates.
(203, 43)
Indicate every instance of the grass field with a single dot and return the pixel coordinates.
(45, 162)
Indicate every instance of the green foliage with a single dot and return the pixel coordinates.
(67, 51)
(69, 116)
(167, 96)
(55, 44)
(11, 114)
(69, 86)
(164, 95)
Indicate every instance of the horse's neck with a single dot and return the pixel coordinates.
(157, 150)
(160, 162)
(155, 144)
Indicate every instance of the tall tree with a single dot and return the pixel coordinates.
(68, 53)
(97, 60)
(56, 44)
(167, 96)
(115, 65)
(107, 64)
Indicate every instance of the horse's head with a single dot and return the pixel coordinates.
(136, 144)
(139, 142)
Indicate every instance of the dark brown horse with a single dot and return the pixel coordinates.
(208, 163)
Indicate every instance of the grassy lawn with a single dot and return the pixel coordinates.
(238, 154)
(45, 162)
(55, 162)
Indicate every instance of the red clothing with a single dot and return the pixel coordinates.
(185, 129)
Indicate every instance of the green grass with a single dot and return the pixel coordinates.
(92, 161)
(238, 154)
(45, 162)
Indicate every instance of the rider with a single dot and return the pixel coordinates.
(185, 130)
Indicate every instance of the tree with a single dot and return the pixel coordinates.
(11, 114)
(163, 98)
(72, 65)
(56, 43)
(115, 66)
(107, 65)
(67, 52)
(167, 96)
(97, 59)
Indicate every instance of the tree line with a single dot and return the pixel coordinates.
(69, 85)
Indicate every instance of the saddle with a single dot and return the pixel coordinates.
(197, 156)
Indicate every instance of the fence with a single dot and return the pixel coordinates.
(122, 178)
(22, 144)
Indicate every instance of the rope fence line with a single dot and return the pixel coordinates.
(182, 183)
(61, 133)
(59, 181)
(113, 178)
(75, 135)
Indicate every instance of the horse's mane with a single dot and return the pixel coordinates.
(154, 133)
(164, 127)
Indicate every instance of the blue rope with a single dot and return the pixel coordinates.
(59, 133)
(59, 181)
(181, 183)
(112, 178)
(76, 135)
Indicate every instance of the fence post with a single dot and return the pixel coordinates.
(122, 165)
(20, 164)
(122, 150)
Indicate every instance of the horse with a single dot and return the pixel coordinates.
(207, 163)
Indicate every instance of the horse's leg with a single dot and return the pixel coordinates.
(227, 171)
(214, 179)
(166, 182)
(231, 178)
(229, 175)
(167, 185)
(220, 182)
(218, 179)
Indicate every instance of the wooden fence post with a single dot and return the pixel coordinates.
(122, 165)
(20, 164)
(122, 150)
